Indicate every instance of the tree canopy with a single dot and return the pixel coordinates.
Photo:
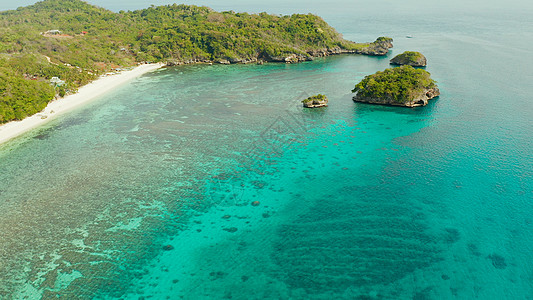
(319, 97)
(400, 84)
(76, 42)
(411, 58)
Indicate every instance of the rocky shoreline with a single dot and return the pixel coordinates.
(378, 48)
(421, 100)
(316, 101)
(402, 86)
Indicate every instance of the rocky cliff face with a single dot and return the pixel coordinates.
(288, 58)
(316, 104)
(378, 48)
(420, 100)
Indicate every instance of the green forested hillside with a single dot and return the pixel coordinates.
(76, 41)
(21, 97)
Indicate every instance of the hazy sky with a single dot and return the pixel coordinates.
(281, 6)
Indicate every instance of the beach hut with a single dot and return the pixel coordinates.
(53, 32)
(55, 81)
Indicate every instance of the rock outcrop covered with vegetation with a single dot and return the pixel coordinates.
(316, 101)
(402, 86)
(76, 41)
(379, 47)
(411, 58)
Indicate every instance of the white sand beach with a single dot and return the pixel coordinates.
(62, 105)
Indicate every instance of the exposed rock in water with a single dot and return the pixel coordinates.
(288, 58)
(172, 63)
(316, 101)
(177, 62)
(403, 86)
(243, 60)
(223, 61)
(411, 58)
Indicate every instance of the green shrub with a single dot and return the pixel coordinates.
(400, 84)
(318, 97)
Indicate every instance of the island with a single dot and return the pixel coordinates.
(316, 101)
(54, 47)
(401, 86)
(411, 58)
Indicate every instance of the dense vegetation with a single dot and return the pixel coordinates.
(318, 98)
(89, 40)
(316, 101)
(411, 58)
(21, 97)
(400, 84)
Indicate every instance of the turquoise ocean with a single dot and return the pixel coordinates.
(147, 192)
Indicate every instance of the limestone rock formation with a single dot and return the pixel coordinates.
(402, 86)
(411, 58)
(316, 101)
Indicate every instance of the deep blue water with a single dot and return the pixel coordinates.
(148, 191)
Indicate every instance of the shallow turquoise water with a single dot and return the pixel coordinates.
(355, 201)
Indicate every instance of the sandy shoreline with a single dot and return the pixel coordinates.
(85, 94)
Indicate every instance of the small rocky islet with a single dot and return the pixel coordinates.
(316, 101)
(410, 58)
(401, 86)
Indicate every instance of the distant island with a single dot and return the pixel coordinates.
(402, 86)
(316, 101)
(54, 47)
(410, 58)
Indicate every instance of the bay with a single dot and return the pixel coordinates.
(148, 191)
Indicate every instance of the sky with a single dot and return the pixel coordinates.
(281, 6)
